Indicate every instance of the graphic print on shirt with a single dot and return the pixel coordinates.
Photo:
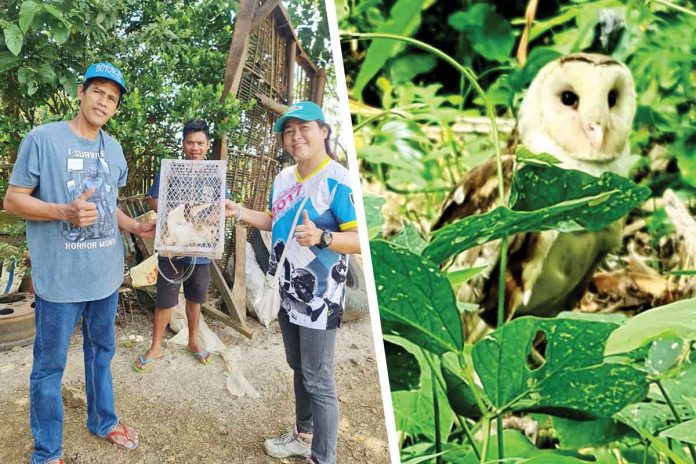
(88, 170)
(312, 279)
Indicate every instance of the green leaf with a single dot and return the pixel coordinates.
(684, 432)
(32, 87)
(588, 434)
(413, 410)
(404, 19)
(666, 355)
(415, 299)
(523, 154)
(519, 449)
(458, 278)
(675, 319)
(573, 379)
(409, 238)
(14, 39)
(8, 61)
(546, 198)
(26, 14)
(406, 67)
(373, 215)
(460, 387)
(61, 32)
(53, 11)
(489, 33)
(403, 367)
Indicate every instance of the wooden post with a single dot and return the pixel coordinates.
(291, 62)
(318, 83)
(239, 287)
(236, 57)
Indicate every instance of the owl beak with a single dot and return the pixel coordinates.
(595, 134)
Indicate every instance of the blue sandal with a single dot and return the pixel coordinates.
(143, 364)
(203, 357)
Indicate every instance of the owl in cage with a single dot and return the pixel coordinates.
(579, 108)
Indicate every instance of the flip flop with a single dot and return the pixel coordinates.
(145, 364)
(125, 432)
(203, 357)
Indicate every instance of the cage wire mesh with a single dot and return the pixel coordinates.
(190, 209)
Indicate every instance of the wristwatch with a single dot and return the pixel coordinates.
(326, 239)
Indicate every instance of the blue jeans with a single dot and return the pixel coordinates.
(310, 354)
(55, 323)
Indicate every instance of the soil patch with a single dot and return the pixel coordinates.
(183, 410)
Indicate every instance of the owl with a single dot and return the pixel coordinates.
(580, 109)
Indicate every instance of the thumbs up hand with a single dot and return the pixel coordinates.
(81, 212)
(306, 233)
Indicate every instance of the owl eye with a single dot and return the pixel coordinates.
(569, 98)
(611, 98)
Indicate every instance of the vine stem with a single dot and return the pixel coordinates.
(466, 72)
(692, 450)
(675, 6)
(464, 426)
(486, 435)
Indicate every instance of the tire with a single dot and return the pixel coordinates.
(356, 305)
(17, 326)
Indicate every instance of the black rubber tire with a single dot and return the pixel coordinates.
(356, 293)
(17, 326)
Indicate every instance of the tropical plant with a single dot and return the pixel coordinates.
(604, 387)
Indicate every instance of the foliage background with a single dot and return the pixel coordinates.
(419, 129)
(171, 52)
(657, 43)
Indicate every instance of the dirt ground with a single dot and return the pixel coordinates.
(183, 410)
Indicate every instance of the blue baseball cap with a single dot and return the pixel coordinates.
(304, 110)
(106, 70)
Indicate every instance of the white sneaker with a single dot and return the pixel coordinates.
(291, 443)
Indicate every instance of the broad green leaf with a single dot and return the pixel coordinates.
(460, 387)
(574, 434)
(573, 380)
(666, 355)
(414, 410)
(373, 215)
(8, 61)
(14, 39)
(53, 11)
(675, 319)
(404, 370)
(61, 32)
(406, 67)
(26, 14)
(409, 238)
(415, 299)
(651, 417)
(519, 449)
(32, 87)
(523, 153)
(684, 432)
(404, 19)
(545, 198)
(489, 33)
(537, 186)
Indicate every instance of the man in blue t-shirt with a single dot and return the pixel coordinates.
(196, 144)
(65, 183)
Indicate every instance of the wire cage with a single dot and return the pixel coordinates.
(190, 209)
